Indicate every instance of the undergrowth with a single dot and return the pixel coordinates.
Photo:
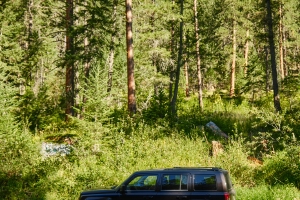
(104, 155)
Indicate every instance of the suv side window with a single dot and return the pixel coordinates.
(205, 182)
(174, 182)
(142, 182)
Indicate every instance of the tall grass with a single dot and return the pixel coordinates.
(266, 192)
(113, 156)
(104, 155)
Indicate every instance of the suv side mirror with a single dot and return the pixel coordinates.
(123, 189)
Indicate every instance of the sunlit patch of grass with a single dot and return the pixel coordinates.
(266, 192)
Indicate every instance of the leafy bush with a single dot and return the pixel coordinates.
(40, 111)
(267, 192)
(282, 168)
(18, 149)
(271, 132)
(158, 108)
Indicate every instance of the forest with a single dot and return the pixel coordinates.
(93, 90)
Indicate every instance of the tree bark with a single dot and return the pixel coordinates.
(172, 50)
(27, 73)
(186, 73)
(186, 69)
(267, 69)
(69, 64)
(87, 66)
(155, 58)
(273, 57)
(199, 75)
(112, 49)
(285, 66)
(130, 61)
(179, 63)
(246, 52)
(281, 52)
(28, 76)
(232, 73)
(76, 73)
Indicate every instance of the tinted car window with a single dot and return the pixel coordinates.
(205, 182)
(174, 182)
(142, 182)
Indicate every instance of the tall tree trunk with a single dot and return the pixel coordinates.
(273, 57)
(76, 72)
(69, 63)
(155, 55)
(281, 52)
(267, 69)
(246, 52)
(39, 77)
(186, 74)
(112, 49)
(172, 50)
(28, 21)
(199, 75)
(179, 63)
(232, 73)
(285, 66)
(30, 31)
(186, 68)
(130, 61)
(296, 65)
(87, 66)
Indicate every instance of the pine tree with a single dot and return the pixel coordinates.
(199, 74)
(273, 58)
(179, 65)
(130, 61)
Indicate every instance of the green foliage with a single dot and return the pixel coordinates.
(39, 111)
(290, 93)
(282, 168)
(18, 149)
(255, 79)
(272, 132)
(108, 144)
(291, 120)
(101, 104)
(158, 108)
(105, 154)
(265, 192)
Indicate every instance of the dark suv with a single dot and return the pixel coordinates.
(205, 183)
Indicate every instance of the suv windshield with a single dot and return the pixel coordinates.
(142, 182)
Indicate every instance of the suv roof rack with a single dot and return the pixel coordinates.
(196, 168)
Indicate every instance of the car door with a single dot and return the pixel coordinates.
(173, 186)
(141, 186)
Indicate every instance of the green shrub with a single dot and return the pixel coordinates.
(266, 192)
(18, 150)
(283, 168)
